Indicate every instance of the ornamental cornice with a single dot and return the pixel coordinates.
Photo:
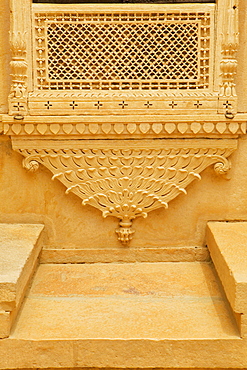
(123, 127)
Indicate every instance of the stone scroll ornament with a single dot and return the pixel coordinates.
(131, 182)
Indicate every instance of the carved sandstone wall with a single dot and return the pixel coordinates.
(32, 197)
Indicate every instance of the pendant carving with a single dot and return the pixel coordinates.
(129, 180)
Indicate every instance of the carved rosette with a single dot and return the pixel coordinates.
(18, 92)
(228, 63)
(131, 179)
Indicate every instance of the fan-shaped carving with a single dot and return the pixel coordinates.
(128, 182)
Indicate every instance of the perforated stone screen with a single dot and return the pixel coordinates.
(123, 50)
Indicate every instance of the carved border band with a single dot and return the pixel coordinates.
(106, 129)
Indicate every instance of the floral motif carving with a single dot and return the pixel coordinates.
(132, 179)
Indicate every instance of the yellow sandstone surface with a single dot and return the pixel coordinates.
(228, 248)
(18, 260)
(125, 301)
(124, 315)
(74, 297)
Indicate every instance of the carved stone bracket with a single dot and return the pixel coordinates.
(127, 179)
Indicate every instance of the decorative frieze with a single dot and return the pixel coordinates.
(123, 129)
(127, 104)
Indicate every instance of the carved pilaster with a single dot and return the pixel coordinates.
(228, 63)
(20, 37)
(18, 92)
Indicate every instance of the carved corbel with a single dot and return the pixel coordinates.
(229, 49)
(129, 180)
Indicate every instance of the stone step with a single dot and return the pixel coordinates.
(135, 315)
(227, 242)
(128, 301)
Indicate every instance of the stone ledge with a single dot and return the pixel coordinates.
(120, 353)
(161, 254)
(19, 251)
(227, 243)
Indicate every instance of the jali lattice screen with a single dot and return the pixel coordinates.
(123, 50)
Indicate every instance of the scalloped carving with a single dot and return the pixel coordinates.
(129, 179)
(107, 130)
